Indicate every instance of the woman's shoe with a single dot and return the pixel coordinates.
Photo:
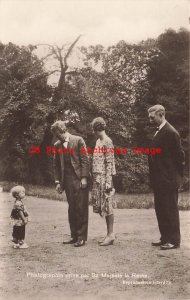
(108, 241)
(79, 243)
(99, 242)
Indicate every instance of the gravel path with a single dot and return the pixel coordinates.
(130, 269)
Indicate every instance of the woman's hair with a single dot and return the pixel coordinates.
(16, 190)
(98, 124)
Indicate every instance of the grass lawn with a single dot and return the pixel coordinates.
(122, 200)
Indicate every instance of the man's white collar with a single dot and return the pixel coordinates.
(162, 124)
(67, 137)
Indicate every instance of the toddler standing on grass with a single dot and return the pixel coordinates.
(19, 217)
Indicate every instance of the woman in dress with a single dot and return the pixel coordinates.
(103, 167)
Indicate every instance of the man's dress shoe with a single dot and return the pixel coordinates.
(79, 243)
(157, 243)
(71, 241)
(169, 246)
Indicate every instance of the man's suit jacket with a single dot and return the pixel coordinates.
(166, 168)
(79, 159)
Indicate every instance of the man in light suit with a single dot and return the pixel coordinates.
(71, 174)
(166, 170)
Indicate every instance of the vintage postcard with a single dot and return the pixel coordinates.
(94, 150)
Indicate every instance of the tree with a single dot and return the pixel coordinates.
(24, 106)
(118, 83)
(108, 86)
(167, 84)
(59, 97)
(61, 55)
(119, 80)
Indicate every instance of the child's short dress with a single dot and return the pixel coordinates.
(18, 224)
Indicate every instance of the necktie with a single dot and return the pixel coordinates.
(157, 129)
(65, 144)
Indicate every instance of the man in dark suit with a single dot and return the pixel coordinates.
(71, 168)
(166, 170)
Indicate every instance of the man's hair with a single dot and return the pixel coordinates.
(157, 108)
(16, 190)
(60, 126)
(98, 124)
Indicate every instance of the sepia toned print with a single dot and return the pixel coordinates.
(94, 149)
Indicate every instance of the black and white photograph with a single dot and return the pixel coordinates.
(94, 150)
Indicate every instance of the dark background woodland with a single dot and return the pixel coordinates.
(118, 83)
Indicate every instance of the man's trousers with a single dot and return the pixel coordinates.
(78, 207)
(166, 207)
